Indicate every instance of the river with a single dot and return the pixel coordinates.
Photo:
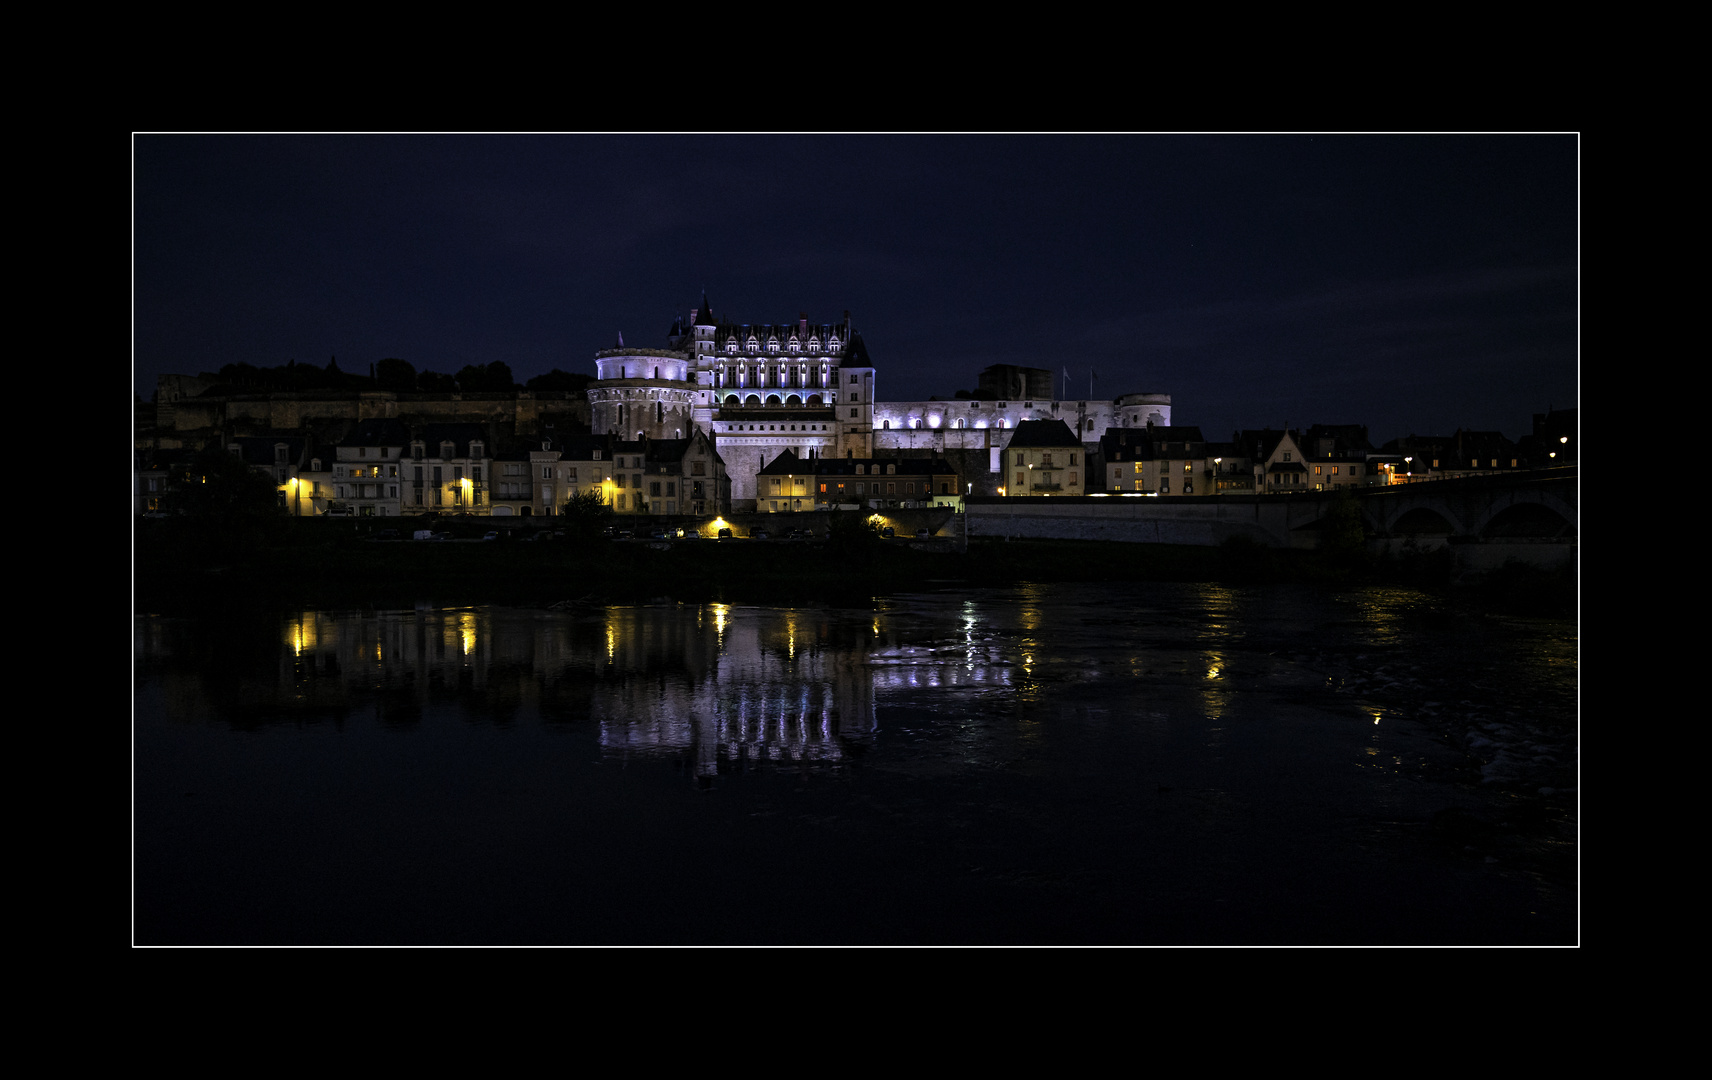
(1146, 764)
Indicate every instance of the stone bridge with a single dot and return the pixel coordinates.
(1532, 516)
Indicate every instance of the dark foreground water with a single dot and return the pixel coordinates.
(1174, 764)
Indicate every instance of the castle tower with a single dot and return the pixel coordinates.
(642, 393)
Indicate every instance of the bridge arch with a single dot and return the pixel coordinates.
(1527, 512)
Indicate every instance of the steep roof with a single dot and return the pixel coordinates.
(378, 431)
(1043, 433)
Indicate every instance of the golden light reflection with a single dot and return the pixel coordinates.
(721, 616)
(467, 633)
(303, 635)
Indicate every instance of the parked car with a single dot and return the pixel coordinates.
(493, 534)
(724, 534)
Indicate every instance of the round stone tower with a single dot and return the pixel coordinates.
(641, 393)
(1140, 410)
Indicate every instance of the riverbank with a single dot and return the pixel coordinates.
(179, 566)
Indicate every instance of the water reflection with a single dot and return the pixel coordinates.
(720, 686)
(1052, 761)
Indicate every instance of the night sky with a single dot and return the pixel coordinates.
(1415, 284)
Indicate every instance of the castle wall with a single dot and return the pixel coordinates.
(525, 410)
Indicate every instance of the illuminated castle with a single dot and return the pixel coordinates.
(759, 389)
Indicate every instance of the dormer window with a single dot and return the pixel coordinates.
(476, 449)
(795, 345)
(446, 450)
(813, 345)
(731, 345)
(597, 455)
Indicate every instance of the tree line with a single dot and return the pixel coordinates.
(392, 374)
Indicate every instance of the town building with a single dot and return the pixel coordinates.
(790, 484)
(1044, 457)
(1336, 456)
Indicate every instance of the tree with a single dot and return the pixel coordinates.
(490, 377)
(559, 380)
(586, 515)
(218, 486)
(433, 382)
(1343, 535)
(395, 374)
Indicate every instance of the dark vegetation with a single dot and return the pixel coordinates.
(389, 374)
